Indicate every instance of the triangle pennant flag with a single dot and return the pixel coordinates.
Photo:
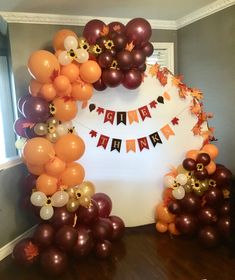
(121, 118)
(109, 116)
(167, 131)
(103, 141)
(143, 143)
(130, 145)
(144, 112)
(155, 138)
(116, 144)
(132, 116)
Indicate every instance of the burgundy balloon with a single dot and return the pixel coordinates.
(103, 249)
(174, 207)
(147, 48)
(102, 229)
(61, 217)
(99, 85)
(202, 174)
(112, 51)
(116, 26)
(105, 59)
(138, 30)
(225, 209)
(53, 261)
(132, 79)
(189, 164)
(120, 41)
(222, 177)
(207, 216)
(142, 67)
(36, 109)
(213, 197)
(88, 215)
(138, 57)
(203, 158)
(112, 77)
(186, 224)
(92, 30)
(191, 203)
(124, 60)
(84, 243)
(21, 101)
(19, 127)
(66, 238)
(44, 235)
(29, 183)
(224, 227)
(25, 252)
(118, 227)
(101, 42)
(104, 204)
(209, 237)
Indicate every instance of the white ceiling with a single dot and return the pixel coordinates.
(150, 9)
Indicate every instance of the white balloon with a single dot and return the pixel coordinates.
(38, 198)
(81, 55)
(59, 198)
(168, 181)
(61, 129)
(68, 124)
(19, 144)
(181, 179)
(46, 212)
(70, 42)
(64, 58)
(178, 193)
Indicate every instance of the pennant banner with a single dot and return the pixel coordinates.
(121, 118)
(103, 141)
(143, 143)
(109, 116)
(116, 145)
(155, 138)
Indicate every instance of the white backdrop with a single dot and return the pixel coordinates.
(134, 180)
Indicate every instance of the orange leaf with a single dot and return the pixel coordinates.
(105, 31)
(197, 93)
(154, 69)
(162, 76)
(167, 96)
(195, 109)
(129, 47)
(183, 91)
(196, 130)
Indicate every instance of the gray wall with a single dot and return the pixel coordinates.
(206, 58)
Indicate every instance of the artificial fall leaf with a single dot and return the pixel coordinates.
(176, 80)
(154, 69)
(100, 110)
(196, 109)
(197, 93)
(196, 130)
(210, 115)
(31, 251)
(162, 77)
(153, 104)
(175, 121)
(167, 96)
(93, 133)
(129, 47)
(105, 31)
(117, 27)
(183, 91)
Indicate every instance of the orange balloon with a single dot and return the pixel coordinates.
(192, 154)
(82, 91)
(43, 65)
(73, 175)
(163, 215)
(65, 109)
(211, 167)
(172, 229)
(35, 169)
(38, 151)
(67, 92)
(48, 92)
(90, 71)
(61, 83)
(71, 71)
(211, 149)
(47, 184)
(167, 194)
(34, 87)
(55, 167)
(58, 40)
(161, 227)
(69, 147)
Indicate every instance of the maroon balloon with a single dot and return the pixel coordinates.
(225, 209)
(44, 235)
(103, 249)
(102, 229)
(116, 26)
(92, 30)
(25, 252)
(112, 77)
(61, 217)
(138, 30)
(53, 261)
(101, 42)
(147, 48)
(104, 204)
(186, 224)
(99, 85)
(84, 243)
(207, 216)
(203, 158)
(132, 79)
(88, 215)
(224, 227)
(174, 207)
(21, 102)
(209, 236)
(19, 127)
(118, 227)
(142, 67)
(201, 174)
(29, 184)
(120, 41)
(213, 197)
(112, 51)
(222, 176)
(105, 59)
(191, 203)
(36, 109)
(138, 57)
(189, 164)
(124, 60)
(66, 238)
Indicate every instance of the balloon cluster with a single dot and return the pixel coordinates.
(195, 199)
(120, 51)
(75, 234)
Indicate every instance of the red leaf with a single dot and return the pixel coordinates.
(93, 133)
(153, 104)
(100, 110)
(175, 121)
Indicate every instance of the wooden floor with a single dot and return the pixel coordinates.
(143, 254)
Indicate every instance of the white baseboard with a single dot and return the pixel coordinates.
(7, 249)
